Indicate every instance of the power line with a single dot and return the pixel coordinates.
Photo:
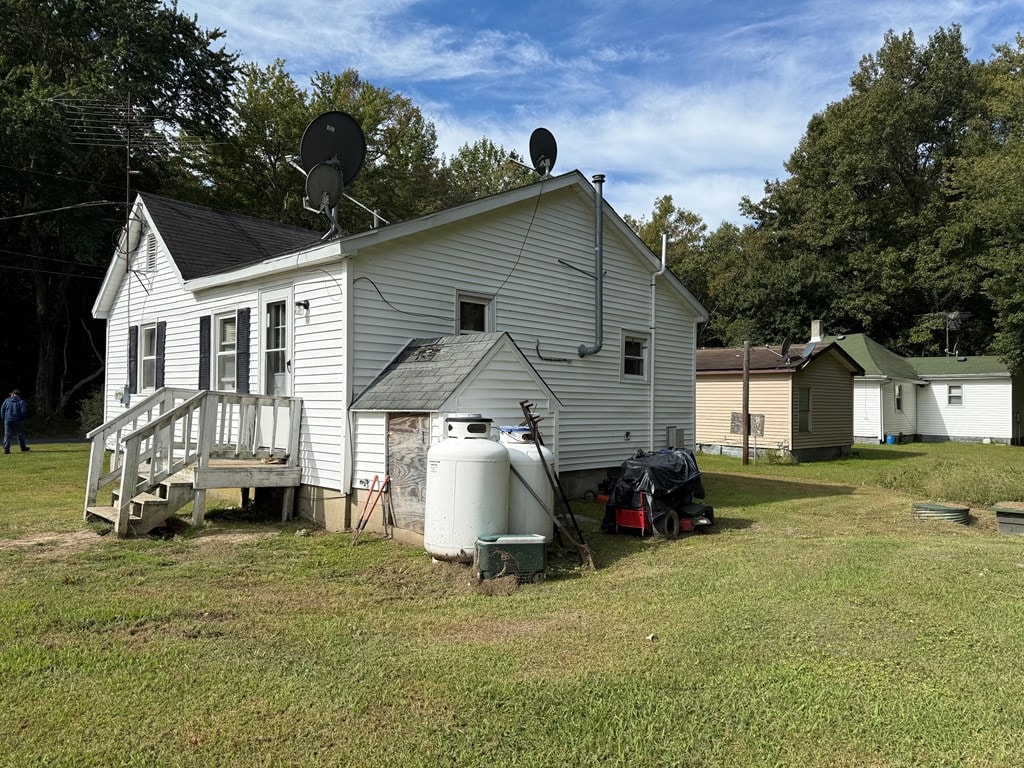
(64, 208)
(50, 258)
(49, 272)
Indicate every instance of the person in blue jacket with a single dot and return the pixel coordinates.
(14, 410)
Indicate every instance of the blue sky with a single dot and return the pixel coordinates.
(699, 99)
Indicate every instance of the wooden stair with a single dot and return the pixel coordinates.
(151, 509)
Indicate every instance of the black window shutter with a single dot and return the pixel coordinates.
(205, 324)
(161, 344)
(242, 352)
(133, 359)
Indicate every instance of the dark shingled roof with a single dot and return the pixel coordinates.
(426, 373)
(203, 241)
(766, 359)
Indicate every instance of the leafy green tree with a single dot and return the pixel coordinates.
(72, 74)
(989, 209)
(480, 169)
(250, 171)
(858, 227)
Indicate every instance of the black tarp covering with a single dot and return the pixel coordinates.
(669, 479)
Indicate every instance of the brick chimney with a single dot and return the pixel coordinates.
(815, 330)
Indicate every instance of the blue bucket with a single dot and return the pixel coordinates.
(890, 439)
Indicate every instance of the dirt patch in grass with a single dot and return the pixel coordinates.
(51, 544)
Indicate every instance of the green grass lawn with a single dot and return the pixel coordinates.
(818, 625)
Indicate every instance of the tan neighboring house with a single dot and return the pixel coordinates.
(800, 400)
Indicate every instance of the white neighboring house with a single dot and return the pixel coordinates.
(227, 302)
(932, 399)
(968, 399)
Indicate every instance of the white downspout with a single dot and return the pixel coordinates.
(881, 411)
(653, 328)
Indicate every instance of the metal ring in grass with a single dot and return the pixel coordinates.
(934, 510)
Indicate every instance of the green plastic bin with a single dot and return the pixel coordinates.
(521, 555)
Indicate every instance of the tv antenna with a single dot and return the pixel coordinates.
(543, 151)
(331, 155)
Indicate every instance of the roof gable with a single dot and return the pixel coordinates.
(428, 372)
(573, 180)
(202, 240)
(875, 359)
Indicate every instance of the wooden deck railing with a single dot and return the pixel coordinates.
(176, 428)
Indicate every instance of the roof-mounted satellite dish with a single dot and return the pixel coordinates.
(323, 187)
(809, 349)
(335, 138)
(543, 151)
(331, 154)
(785, 347)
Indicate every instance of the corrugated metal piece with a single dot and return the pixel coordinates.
(933, 510)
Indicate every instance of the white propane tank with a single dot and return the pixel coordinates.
(525, 513)
(467, 489)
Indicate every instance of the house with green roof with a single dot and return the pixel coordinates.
(932, 399)
(885, 396)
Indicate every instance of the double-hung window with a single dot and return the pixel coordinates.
(955, 395)
(225, 348)
(805, 409)
(898, 393)
(147, 356)
(635, 347)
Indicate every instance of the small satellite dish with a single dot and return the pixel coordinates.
(335, 138)
(543, 151)
(809, 349)
(785, 347)
(323, 187)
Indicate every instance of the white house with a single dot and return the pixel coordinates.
(210, 300)
(932, 399)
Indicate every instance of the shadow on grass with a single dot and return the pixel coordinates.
(744, 491)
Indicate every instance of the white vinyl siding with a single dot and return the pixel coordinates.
(541, 303)
(986, 410)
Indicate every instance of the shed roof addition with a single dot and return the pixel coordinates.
(428, 372)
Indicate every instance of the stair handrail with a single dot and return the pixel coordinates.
(173, 437)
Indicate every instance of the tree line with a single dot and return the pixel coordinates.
(902, 215)
(901, 208)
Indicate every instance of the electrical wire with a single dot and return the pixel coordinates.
(64, 208)
(402, 311)
(526, 238)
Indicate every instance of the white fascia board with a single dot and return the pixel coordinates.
(323, 253)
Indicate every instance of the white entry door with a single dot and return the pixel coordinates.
(276, 361)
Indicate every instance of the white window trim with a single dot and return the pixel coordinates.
(643, 336)
(897, 393)
(273, 297)
(143, 357)
(950, 395)
(218, 353)
(474, 298)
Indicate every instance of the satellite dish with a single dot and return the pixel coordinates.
(785, 347)
(809, 349)
(323, 186)
(543, 151)
(337, 139)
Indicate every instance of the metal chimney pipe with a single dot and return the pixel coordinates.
(584, 350)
